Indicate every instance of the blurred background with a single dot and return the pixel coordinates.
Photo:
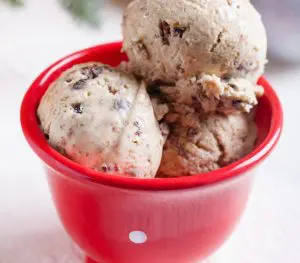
(35, 33)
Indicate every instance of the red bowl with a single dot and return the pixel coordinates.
(117, 219)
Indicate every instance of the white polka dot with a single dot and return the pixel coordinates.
(138, 237)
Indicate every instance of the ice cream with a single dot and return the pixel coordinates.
(200, 61)
(102, 118)
(206, 144)
(171, 40)
(211, 94)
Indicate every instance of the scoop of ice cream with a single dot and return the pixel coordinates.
(102, 118)
(206, 145)
(169, 40)
(213, 94)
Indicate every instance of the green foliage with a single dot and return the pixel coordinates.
(14, 2)
(83, 10)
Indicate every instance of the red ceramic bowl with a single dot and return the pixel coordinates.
(118, 219)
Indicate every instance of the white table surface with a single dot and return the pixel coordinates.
(34, 37)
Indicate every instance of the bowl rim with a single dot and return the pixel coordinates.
(65, 166)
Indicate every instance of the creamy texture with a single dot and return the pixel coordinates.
(213, 94)
(102, 118)
(170, 40)
(206, 143)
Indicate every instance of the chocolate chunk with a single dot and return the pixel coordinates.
(77, 107)
(215, 45)
(104, 168)
(180, 68)
(154, 88)
(61, 151)
(138, 133)
(108, 168)
(112, 90)
(92, 72)
(248, 66)
(235, 63)
(138, 126)
(226, 77)
(70, 133)
(80, 84)
(235, 87)
(116, 168)
(122, 104)
(192, 132)
(165, 32)
(236, 103)
(179, 30)
(240, 67)
(143, 49)
(47, 136)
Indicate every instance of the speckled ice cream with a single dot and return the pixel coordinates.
(211, 94)
(196, 147)
(103, 119)
(169, 40)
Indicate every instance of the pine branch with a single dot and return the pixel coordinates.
(15, 3)
(84, 10)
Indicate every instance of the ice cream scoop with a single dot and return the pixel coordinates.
(171, 40)
(206, 145)
(102, 118)
(211, 94)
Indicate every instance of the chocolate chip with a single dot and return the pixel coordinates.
(240, 67)
(180, 68)
(112, 90)
(235, 87)
(92, 72)
(47, 136)
(165, 32)
(70, 133)
(154, 88)
(138, 126)
(138, 133)
(80, 84)
(107, 168)
(226, 77)
(219, 39)
(237, 103)
(61, 151)
(143, 49)
(192, 132)
(104, 168)
(116, 168)
(235, 63)
(248, 66)
(179, 30)
(77, 107)
(122, 104)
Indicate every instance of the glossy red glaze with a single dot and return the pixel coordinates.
(185, 219)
